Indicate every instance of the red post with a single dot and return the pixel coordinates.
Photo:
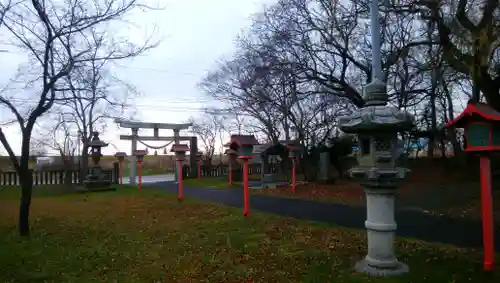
(180, 192)
(293, 175)
(230, 174)
(487, 213)
(246, 196)
(198, 163)
(139, 175)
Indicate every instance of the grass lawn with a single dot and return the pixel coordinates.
(38, 191)
(212, 182)
(126, 236)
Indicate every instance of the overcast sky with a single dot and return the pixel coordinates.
(196, 34)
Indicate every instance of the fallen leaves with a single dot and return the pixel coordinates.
(342, 192)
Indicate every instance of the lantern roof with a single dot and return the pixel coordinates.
(120, 154)
(96, 142)
(237, 141)
(475, 112)
(179, 148)
(230, 151)
(376, 118)
(140, 152)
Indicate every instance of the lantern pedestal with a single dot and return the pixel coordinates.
(180, 191)
(180, 154)
(235, 173)
(487, 213)
(121, 157)
(293, 148)
(381, 229)
(139, 156)
(246, 187)
(293, 173)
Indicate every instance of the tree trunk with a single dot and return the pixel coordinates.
(24, 207)
(68, 168)
(84, 163)
(26, 180)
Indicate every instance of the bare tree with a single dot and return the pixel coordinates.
(50, 32)
(37, 149)
(94, 94)
(467, 31)
(207, 127)
(60, 138)
(4, 8)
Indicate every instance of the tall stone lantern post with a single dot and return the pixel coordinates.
(377, 126)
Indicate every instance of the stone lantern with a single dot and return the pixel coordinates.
(95, 177)
(377, 126)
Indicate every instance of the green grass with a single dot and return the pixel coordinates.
(126, 236)
(211, 182)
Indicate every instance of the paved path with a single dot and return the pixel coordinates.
(414, 224)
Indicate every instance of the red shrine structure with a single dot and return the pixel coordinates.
(482, 135)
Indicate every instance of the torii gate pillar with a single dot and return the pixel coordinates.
(192, 156)
(132, 161)
(177, 164)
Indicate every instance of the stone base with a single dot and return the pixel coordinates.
(363, 267)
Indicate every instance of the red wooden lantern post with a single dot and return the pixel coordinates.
(293, 148)
(139, 154)
(244, 147)
(482, 133)
(232, 154)
(180, 154)
(121, 157)
(198, 164)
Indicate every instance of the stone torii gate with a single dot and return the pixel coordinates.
(134, 137)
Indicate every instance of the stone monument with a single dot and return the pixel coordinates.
(377, 126)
